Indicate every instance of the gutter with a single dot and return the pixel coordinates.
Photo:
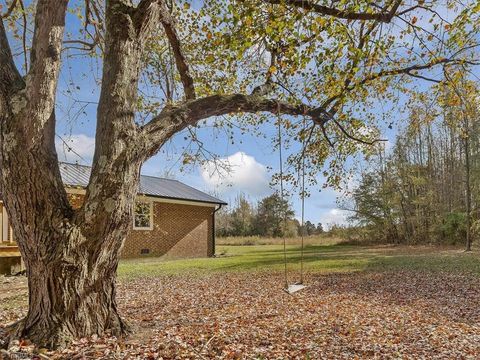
(213, 226)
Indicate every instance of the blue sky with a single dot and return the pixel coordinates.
(253, 160)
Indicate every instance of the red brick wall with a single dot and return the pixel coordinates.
(179, 231)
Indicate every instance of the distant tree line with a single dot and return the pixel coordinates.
(272, 216)
(426, 189)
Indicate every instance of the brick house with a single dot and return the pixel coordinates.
(170, 219)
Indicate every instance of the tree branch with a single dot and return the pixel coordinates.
(325, 135)
(10, 9)
(409, 70)
(385, 16)
(24, 35)
(354, 138)
(150, 10)
(10, 78)
(180, 59)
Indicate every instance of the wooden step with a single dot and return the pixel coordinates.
(8, 249)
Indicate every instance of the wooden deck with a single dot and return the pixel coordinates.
(9, 250)
(10, 260)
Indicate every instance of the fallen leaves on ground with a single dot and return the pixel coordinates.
(248, 316)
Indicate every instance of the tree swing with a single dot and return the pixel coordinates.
(299, 285)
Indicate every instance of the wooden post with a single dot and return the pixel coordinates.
(5, 226)
(1, 223)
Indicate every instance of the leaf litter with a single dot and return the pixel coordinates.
(379, 315)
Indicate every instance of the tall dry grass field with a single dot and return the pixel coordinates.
(257, 240)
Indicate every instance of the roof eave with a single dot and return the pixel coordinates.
(219, 202)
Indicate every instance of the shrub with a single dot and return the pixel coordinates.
(453, 227)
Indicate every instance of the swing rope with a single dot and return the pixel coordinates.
(300, 283)
(282, 197)
(303, 201)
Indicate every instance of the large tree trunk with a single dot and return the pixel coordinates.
(70, 256)
(71, 294)
(71, 266)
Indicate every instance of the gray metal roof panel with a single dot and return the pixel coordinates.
(79, 175)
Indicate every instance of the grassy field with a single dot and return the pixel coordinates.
(329, 257)
(324, 239)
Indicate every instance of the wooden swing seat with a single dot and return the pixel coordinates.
(293, 288)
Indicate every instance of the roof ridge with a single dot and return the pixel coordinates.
(74, 164)
(158, 177)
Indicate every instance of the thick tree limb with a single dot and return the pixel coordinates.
(115, 157)
(10, 78)
(385, 16)
(175, 118)
(45, 60)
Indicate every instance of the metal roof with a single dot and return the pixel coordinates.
(79, 175)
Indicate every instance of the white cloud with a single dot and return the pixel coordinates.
(239, 173)
(334, 217)
(75, 148)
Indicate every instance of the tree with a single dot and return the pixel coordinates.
(222, 222)
(421, 191)
(241, 218)
(319, 230)
(274, 215)
(309, 228)
(342, 53)
(465, 95)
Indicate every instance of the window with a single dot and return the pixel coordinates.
(142, 217)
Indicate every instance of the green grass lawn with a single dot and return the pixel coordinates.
(317, 258)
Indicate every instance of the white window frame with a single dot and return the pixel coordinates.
(150, 203)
